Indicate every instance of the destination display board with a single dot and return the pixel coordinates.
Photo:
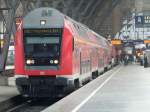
(1, 43)
(147, 21)
(42, 31)
(142, 21)
(146, 41)
(116, 42)
(131, 42)
(139, 21)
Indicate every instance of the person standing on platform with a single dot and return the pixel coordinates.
(126, 59)
(134, 59)
(145, 61)
(141, 59)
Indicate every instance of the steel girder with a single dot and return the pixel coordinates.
(8, 10)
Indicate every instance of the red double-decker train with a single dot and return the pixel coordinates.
(54, 53)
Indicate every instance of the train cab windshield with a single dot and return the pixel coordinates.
(42, 48)
(49, 46)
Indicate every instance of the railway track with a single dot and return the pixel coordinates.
(21, 104)
(33, 105)
(12, 102)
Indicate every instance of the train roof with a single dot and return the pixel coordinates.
(87, 28)
(52, 17)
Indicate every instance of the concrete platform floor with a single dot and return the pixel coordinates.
(127, 91)
(7, 92)
(123, 89)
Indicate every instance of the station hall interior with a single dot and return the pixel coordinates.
(74, 55)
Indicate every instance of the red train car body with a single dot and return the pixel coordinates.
(54, 51)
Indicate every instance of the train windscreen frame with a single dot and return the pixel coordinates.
(42, 46)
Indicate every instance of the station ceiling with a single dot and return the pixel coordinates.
(103, 16)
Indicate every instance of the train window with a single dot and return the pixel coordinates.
(72, 43)
(38, 48)
(49, 46)
(42, 50)
(42, 45)
(40, 40)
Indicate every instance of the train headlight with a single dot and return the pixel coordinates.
(30, 61)
(43, 22)
(56, 61)
(51, 61)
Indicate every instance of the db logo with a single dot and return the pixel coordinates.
(42, 73)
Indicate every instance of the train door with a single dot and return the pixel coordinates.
(80, 64)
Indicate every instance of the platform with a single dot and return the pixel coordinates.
(123, 89)
(7, 92)
(9, 96)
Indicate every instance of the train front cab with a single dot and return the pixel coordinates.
(43, 56)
